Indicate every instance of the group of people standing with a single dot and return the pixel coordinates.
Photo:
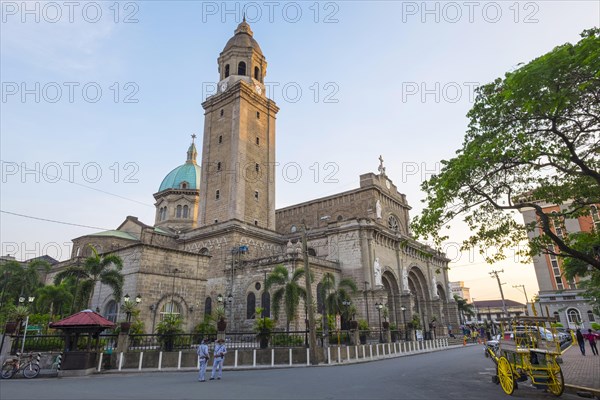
(591, 337)
(218, 357)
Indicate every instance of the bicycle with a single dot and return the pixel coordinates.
(30, 367)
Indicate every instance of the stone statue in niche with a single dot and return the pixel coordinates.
(378, 209)
(377, 272)
(405, 280)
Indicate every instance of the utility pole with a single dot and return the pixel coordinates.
(526, 299)
(495, 273)
(312, 334)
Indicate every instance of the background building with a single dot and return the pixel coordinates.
(557, 296)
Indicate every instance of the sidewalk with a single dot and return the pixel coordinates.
(581, 373)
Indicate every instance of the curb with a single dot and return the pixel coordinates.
(582, 391)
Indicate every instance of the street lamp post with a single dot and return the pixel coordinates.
(405, 325)
(30, 300)
(312, 334)
(126, 299)
(305, 325)
(379, 306)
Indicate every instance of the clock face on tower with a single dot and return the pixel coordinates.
(223, 87)
(258, 89)
(387, 183)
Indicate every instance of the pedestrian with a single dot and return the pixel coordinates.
(219, 356)
(203, 356)
(580, 341)
(591, 337)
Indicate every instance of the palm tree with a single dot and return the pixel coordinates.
(18, 280)
(103, 268)
(335, 295)
(53, 298)
(464, 308)
(289, 291)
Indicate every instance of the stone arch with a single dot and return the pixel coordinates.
(392, 293)
(420, 295)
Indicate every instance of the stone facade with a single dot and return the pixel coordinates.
(238, 237)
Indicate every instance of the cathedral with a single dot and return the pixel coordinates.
(217, 234)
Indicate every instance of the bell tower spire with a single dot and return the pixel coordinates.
(238, 149)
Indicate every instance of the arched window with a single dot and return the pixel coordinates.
(186, 210)
(311, 252)
(257, 73)
(207, 305)
(557, 316)
(183, 185)
(573, 316)
(226, 70)
(320, 302)
(265, 303)
(179, 211)
(242, 68)
(204, 251)
(219, 166)
(171, 307)
(591, 316)
(250, 305)
(393, 223)
(110, 311)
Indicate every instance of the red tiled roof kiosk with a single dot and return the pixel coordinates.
(86, 322)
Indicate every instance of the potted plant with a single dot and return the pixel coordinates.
(394, 332)
(363, 328)
(129, 308)
(219, 316)
(167, 328)
(206, 328)
(16, 316)
(263, 326)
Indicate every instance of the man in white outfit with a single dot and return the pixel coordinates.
(219, 356)
(202, 359)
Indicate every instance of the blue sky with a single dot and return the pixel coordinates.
(354, 80)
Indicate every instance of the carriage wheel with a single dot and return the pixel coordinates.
(556, 381)
(505, 375)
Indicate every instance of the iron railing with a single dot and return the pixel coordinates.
(46, 343)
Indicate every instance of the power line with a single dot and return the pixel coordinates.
(52, 177)
(52, 220)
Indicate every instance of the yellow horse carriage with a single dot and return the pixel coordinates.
(528, 348)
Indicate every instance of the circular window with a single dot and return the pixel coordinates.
(293, 229)
(257, 286)
(393, 223)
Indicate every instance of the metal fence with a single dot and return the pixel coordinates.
(187, 341)
(47, 343)
(233, 340)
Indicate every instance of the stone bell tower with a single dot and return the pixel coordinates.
(238, 149)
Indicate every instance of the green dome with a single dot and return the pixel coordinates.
(188, 173)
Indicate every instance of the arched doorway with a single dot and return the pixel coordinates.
(420, 301)
(392, 297)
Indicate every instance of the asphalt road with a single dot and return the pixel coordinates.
(462, 373)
